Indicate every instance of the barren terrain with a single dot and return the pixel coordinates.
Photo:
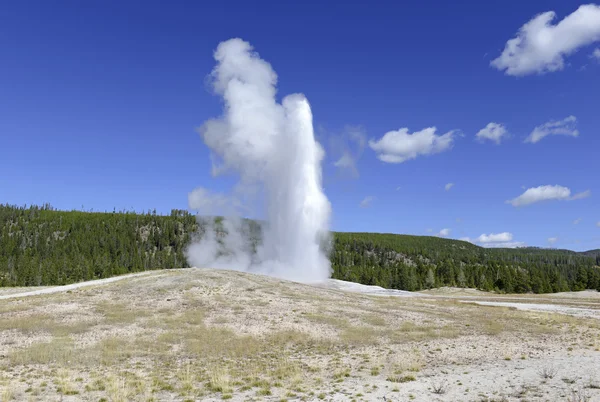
(199, 334)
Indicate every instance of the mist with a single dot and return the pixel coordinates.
(271, 148)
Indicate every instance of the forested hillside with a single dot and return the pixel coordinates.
(42, 246)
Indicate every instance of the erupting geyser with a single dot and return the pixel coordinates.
(272, 148)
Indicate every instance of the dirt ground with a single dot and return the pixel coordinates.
(200, 334)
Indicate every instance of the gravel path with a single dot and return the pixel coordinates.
(58, 289)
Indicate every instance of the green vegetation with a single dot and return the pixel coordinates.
(421, 262)
(43, 246)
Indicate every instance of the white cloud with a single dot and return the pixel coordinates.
(444, 232)
(495, 237)
(493, 131)
(495, 240)
(541, 47)
(350, 144)
(400, 146)
(398, 188)
(448, 186)
(596, 54)
(552, 240)
(366, 202)
(546, 193)
(598, 224)
(554, 127)
(579, 196)
(577, 221)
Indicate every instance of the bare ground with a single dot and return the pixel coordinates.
(193, 334)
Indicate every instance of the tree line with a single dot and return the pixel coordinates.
(43, 246)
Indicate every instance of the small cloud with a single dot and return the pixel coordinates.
(444, 233)
(583, 194)
(494, 132)
(400, 146)
(598, 224)
(398, 188)
(540, 46)
(350, 146)
(366, 202)
(448, 186)
(596, 54)
(495, 240)
(552, 240)
(577, 221)
(345, 161)
(554, 127)
(429, 230)
(546, 193)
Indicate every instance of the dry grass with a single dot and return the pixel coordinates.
(203, 337)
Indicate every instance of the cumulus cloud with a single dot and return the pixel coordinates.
(541, 47)
(349, 146)
(494, 132)
(546, 193)
(552, 240)
(495, 237)
(366, 202)
(566, 127)
(448, 186)
(495, 240)
(400, 146)
(444, 232)
(577, 221)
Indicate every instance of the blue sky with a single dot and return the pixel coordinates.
(100, 101)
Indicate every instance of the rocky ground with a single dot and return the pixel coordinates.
(194, 334)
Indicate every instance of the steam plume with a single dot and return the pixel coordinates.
(272, 148)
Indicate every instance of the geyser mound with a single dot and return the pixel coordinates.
(272, 148)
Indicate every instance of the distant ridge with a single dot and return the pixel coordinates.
(43, 246)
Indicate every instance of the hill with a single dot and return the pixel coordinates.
(210, 335)
(592, 253)
(43, 246)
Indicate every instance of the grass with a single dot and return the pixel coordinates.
(64, 384)
(59, 350)
(401, 379)
(200, 346)
(439, 388)
(36, 323)
(120, 313)
(547, 372)
(6, 394)
(219, 381)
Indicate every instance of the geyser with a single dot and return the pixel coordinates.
(272, 148)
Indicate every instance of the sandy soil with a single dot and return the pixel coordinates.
(20, 292)
(194, 334)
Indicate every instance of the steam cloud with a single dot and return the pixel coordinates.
(271, 146)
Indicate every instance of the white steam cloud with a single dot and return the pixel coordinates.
(272, 147)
